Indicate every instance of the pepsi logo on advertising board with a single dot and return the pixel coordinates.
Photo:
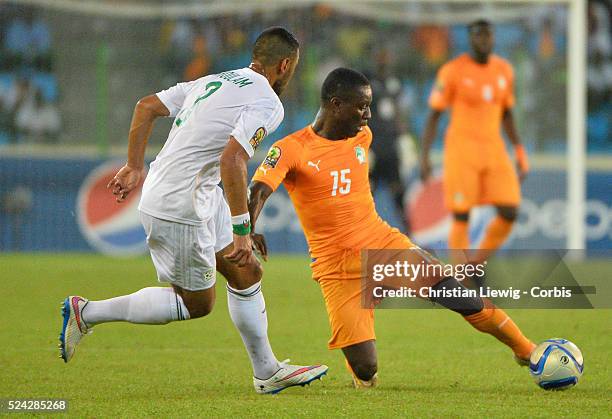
(108, 226)
(428, 216)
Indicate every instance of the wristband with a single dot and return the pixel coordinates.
(241, 224)
(521, 157)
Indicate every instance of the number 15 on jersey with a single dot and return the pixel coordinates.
(342, 183)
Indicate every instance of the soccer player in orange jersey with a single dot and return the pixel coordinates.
(478, 88)
(324, 167)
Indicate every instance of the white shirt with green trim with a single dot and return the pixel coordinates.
(207, 111)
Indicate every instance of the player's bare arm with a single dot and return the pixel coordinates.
(258, 194)
(429, 135)
(147, 110)
(234, 177)
(522, 163)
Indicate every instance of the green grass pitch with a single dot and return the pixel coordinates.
(431, 362)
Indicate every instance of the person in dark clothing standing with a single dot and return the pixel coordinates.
(388, 126)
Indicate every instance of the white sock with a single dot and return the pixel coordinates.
(247, 309)
(153, 305)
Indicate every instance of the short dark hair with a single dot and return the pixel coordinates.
(478, 23)
(342, 82)
(274, 44)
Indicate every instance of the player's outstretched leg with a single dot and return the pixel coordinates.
(247, 309)
(487, 318)
(362, 363)
(494, 321)
(152, 305)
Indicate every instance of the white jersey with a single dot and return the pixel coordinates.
(238, 103)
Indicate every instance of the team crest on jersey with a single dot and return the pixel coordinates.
(360, 154)
(271, 159)
(209, 274)
(258, 137)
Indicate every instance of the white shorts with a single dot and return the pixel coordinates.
(184, 254)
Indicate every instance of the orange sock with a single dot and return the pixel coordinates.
(459, 237)
(496, 322)
(497, 233)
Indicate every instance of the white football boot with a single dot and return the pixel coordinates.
(288, 376)
(73, 328)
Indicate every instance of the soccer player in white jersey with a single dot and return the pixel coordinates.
(219, 121)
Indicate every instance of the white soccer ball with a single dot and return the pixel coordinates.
(556, 364)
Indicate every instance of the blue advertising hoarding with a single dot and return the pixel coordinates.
(59, 205)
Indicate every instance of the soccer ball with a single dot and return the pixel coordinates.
(556, 364)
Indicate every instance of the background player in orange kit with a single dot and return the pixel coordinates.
(478, 88)
(324, 167)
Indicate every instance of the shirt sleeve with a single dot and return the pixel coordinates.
(256, 121)
(509, 98)
(283, 157)
(174, 97)
(442, 93)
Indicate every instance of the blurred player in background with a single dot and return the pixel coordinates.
(219, 121)
(478, 88)
(324, 167)
(387, 123)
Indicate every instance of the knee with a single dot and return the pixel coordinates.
(198, 303)
(508, 213)
(462, 305)
(462, 217)
(256, 272)
(200, 309)
(246, 277)
(365, 370)
(252, 274)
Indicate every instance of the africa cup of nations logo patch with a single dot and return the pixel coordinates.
(258, 137)
(271, 159)
(360, 154)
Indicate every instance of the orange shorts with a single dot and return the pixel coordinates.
(339, 277)
(469, 182)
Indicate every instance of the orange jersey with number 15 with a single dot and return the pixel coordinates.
(328, 184)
